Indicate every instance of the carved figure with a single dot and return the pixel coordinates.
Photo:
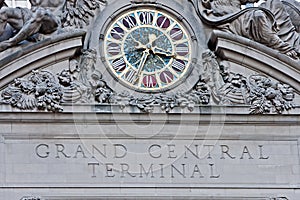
(260, 92)
(82, 82)
(268, 24)
(43, 17)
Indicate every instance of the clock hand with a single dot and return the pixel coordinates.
(157, 50)
(140, 45)
(152, 38)
(142, 63)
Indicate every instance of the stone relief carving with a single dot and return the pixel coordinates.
(269, 24)
(82, 82)
(263, 94)
(292, 7)
(44, 17)
(267, 95)
(198, 96)
(40, 90)
(78, 13)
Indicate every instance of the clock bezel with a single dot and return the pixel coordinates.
(186, 83)
(181, 77)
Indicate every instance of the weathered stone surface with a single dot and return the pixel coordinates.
(228, 131)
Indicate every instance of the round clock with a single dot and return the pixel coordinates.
(148, 50)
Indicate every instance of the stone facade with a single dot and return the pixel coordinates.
(216, 116)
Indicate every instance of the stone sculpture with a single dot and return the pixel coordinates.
(40, 91)
(43, 17)
(77, 13)
(268, 24)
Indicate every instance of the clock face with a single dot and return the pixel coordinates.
(148, 50)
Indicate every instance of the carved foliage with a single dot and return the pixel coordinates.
(263, 94)
(198, 96)
(78, 13)
(267, 95)
(82, 82)
(40, 90)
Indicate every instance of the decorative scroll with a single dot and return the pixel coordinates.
(40, 90)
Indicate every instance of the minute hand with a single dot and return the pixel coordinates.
(143, 61)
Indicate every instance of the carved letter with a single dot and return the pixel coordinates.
(109, 170)
(60, 149)
(80, 150)
(122, 150)
(46, 152)
(246, 151)
(171, 151)
(179, 172)
(209, 147)
(196, 153)
(197, 170)
(125, 170)
(93, 168)
(142, 170)
(161, 170)
(261, 155)
(212, 171)
(225, 150)
(150, 151)
(94, 148)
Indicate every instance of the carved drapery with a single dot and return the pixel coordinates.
(270, 24)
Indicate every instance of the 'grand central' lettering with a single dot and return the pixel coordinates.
(153, 160)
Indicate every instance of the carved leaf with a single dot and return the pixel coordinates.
(78, 13)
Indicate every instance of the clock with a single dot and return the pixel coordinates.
(148, 50)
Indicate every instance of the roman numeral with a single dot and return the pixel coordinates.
(149, 81)
(166, 77)
(119, 65)
(176, 34)
(113, 49)
(182, 49)
(178, 65)
(129, 22)
(146, 18)
(130, 76)
(117, 33)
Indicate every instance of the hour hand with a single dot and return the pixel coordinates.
(140, 45)
(157, 50)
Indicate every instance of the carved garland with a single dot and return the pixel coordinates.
(40, 90)
(83, 83)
